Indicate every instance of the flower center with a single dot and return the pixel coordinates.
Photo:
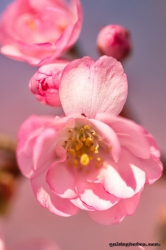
(31, 25)
(83, 147)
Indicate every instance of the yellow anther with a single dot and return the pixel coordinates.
(92, 148)
(70, 130)
(84, 160)
(78, 145)
(72, 151)
(94, 133)
(96, 150)
(81, 129)
(98, 159)
(88, 141)
(86, 127)
(82, 138)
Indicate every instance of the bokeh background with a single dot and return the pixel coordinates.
(146, 71)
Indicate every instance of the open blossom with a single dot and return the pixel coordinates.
(114, 40)
(45, 83)
(39, 33)
(91, 159)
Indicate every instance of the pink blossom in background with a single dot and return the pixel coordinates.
(39, 33)
(114, 40)
(2, 245)
(91, 159)
(36, 244)
(39, 244)
(45, 83)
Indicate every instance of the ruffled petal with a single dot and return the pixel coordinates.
(47, 4)
(61, 181)
(131, 135)
(153, 169)
(82, 205)
(123, 179)
(116, 213)
(108, 135)
(94, 195)
(46, 151)
(50, 200)
(90, 87)
(154, 149)
(28, 133)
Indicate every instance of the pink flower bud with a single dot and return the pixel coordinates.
(114, 40)
(45, 83)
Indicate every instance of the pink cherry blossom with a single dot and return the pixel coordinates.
(2, 245)
(45, 83)
(36, 244)
(91, 159)
(114, 40)
(39, 33)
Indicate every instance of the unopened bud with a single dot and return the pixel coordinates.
(45, 83)
(114, 40)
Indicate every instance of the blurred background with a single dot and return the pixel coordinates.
(146, 71)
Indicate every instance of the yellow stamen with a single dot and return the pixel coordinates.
(83, 138)
(72, 151)
(92, 148)
(84, 160)
(88, 141)
(96, 150)
(78, 145)
(86, 127)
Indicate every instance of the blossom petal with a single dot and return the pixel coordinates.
(90, 87)
(28, 133)
(108, 135)
(131, 135)
(123, 179)
(153, 169)
(61, 181)
(45, 151)
(82, 205)
(154, 149)
(95, 195)
(50, 200)
(116, 213)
